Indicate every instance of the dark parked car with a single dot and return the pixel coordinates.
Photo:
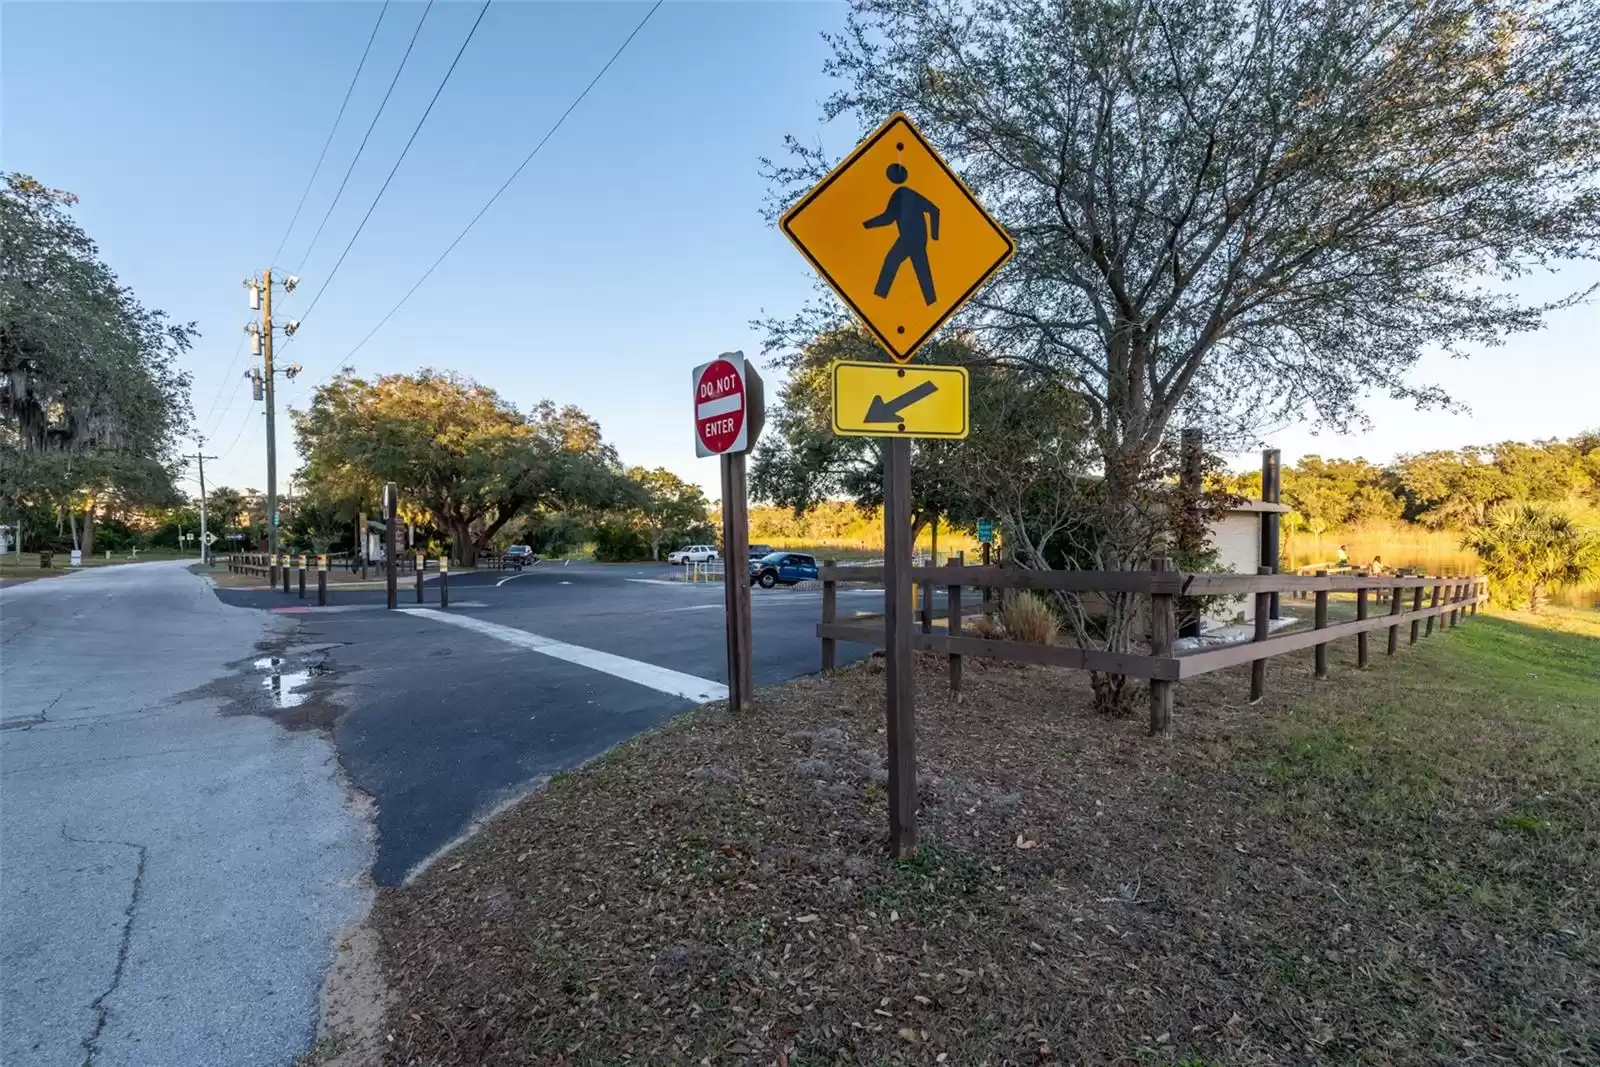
(760, 551)
(786, 568)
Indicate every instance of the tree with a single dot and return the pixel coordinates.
(1530, 551)
(802, 463)
(91, 403)
(670, 509)
(223, 508)
(1241, 212)
(467, 459)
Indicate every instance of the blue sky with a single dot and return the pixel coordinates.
(631, 249)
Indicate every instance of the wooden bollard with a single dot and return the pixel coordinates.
(1163, 632)
(952, 596)
(284, 568)
(422, 566)
(830, 611)
(1320, 622)
(272, 571)
(322, 580)
(1258, 667)
(302, 569)
(1361, 638)
(444, 581)
(1394, 631)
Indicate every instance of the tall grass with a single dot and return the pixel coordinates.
(1408, 546)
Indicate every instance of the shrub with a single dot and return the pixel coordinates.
(1026, 617)
(983, 626)
(1530, 552)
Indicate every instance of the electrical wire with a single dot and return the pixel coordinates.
(325, 144)
(328, 279)
(222, 386)
(362, 147)
(504, 185)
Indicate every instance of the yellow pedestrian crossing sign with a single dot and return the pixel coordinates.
(898, 236)
(883, 400)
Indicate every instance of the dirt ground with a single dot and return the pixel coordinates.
(1395, 867)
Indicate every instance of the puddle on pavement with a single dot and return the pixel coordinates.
(288, 685)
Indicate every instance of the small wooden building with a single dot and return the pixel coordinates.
(1236, 535)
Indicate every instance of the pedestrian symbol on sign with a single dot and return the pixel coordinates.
(905, 211)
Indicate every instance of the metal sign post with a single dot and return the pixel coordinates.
(898, 609)
(729, 412)
(391, 505)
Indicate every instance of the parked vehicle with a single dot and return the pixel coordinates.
(521, 553)
(760, 551)
(693, 554)
(782, 568)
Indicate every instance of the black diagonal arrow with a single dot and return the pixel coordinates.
(883, 410)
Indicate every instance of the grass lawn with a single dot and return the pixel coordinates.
(24, 567)
(1397, 866)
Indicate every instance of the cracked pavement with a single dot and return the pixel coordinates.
(171, 879)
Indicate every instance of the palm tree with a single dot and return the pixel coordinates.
(223, 506)
(1531, 551)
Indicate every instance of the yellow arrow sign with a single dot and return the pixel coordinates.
(883, 400)
(898, 236)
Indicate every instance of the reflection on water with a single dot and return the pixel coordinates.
(288, 687)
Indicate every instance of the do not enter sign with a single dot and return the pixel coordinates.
(727, 406)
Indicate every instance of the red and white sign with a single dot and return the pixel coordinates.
(721, 420)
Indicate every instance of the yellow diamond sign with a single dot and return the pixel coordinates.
(883, 400)
(898, 236)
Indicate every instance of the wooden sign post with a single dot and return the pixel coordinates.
(897, 662)
(729, 411)
(903, 288)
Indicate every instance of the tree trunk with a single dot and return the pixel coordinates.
(88, 531)
(462, 544)
(72, 521)
(655, 548)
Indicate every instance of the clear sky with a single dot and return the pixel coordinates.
(629, 250)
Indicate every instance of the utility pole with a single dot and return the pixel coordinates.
(261, 296)
(205, 549)
(272, 416)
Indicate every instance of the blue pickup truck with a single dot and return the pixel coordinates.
(785, 568)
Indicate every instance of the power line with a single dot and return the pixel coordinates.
(362, 147)
(325, 144)
(507, 183)
(222, 386)
(484, 10)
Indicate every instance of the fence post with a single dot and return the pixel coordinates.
(1321, 623)
(1394, 631)
(830, 611)
(301, 569)
(322, 580)
(952, 595)
(1457, 595)
(1478, 587)
(927, 607)
(1163, 629)
(1432, 604)
(444, 579)
(988, 592)
(1258, 668)
(1416, 605)
(1361, 638)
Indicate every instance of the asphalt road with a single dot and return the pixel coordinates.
(173, 875)
(442, 719)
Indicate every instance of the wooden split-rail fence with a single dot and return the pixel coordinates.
(1413, 604)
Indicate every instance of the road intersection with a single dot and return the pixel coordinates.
(201, 784)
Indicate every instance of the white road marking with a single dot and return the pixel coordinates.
(693, 607)
(513, 578)
(648, 675)
(657, 581)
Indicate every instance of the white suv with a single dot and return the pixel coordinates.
(693, 554)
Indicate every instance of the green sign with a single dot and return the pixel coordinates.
(986, 531)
